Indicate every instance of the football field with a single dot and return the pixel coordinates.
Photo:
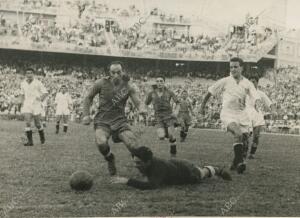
(34, 180)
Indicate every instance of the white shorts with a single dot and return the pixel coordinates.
(62, 111)
(32, 108)
(257, 118)
(239, 117)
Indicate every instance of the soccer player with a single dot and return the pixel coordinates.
(161, 98)
(161, 172)
(64, 103)
(110, 120)
(235, 88)
(257, 117)
(33, 94)
(184, 115)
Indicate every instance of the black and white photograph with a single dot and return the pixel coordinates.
(149, 108)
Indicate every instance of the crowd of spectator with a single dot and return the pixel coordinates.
(86, 34)
(283, 90)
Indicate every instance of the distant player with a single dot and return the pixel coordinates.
(161, 172)
(235, 89)
(257, 117)
(184, 115)
(33, 94)
(64, 104)
(161, 98)
(113, 92)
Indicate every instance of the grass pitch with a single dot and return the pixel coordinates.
(35, 180)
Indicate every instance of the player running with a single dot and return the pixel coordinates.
(184, 115)
(33, 92)
(110, 120)
(64, 105)
(257, 117)
(161, 98)
(161, 172)
(233, 115)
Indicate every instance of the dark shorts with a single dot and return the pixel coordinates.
(113, 126)
(184, 119)
(165, 121)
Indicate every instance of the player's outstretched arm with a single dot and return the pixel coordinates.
(88, 100)
(142, 185)
(135, 99)
(205, 100)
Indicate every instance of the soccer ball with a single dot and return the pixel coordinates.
(81, 181)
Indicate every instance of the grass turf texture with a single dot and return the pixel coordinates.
(35, 180)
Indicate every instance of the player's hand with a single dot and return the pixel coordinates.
(119, 180)
(86, 120)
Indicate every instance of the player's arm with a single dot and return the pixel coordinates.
(205, 100)
(135, 99)
(269, 104)
(190, 107)
(176, 101)
(213, 90)
(148, 99)
(135, 183)
(43, 91)
(22, 95)
(88, 100)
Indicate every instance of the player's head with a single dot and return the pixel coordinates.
(142, 157)
(184, 94)
(254, 80)
(236, 67)
(29, 73)
(160, 82)
(117, 73)
(63, 89)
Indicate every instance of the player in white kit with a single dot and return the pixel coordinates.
(33, 92)
(257, 116)
(64, 103)
(233, 115)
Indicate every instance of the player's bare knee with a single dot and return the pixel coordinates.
(129, 139)
(161, 133)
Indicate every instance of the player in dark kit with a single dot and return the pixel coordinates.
(161, 172)
(161, 98)
(184, 117)
(110, 120)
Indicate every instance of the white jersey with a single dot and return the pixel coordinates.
(250, 102)
(234, 100)
(32, 93)
(234, 94)
(63, 103)
(257, 117)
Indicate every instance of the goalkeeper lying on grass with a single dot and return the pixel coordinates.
(161, 172)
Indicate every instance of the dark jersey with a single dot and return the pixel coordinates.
(162, 105)
(185, 106)
(167, 172)
(112, 99)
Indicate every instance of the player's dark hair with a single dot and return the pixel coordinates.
(236, 59)
(29, 69)
(163, 77)
(143, 152)
(116, 63)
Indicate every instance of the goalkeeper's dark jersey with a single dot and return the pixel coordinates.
(167, 172)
